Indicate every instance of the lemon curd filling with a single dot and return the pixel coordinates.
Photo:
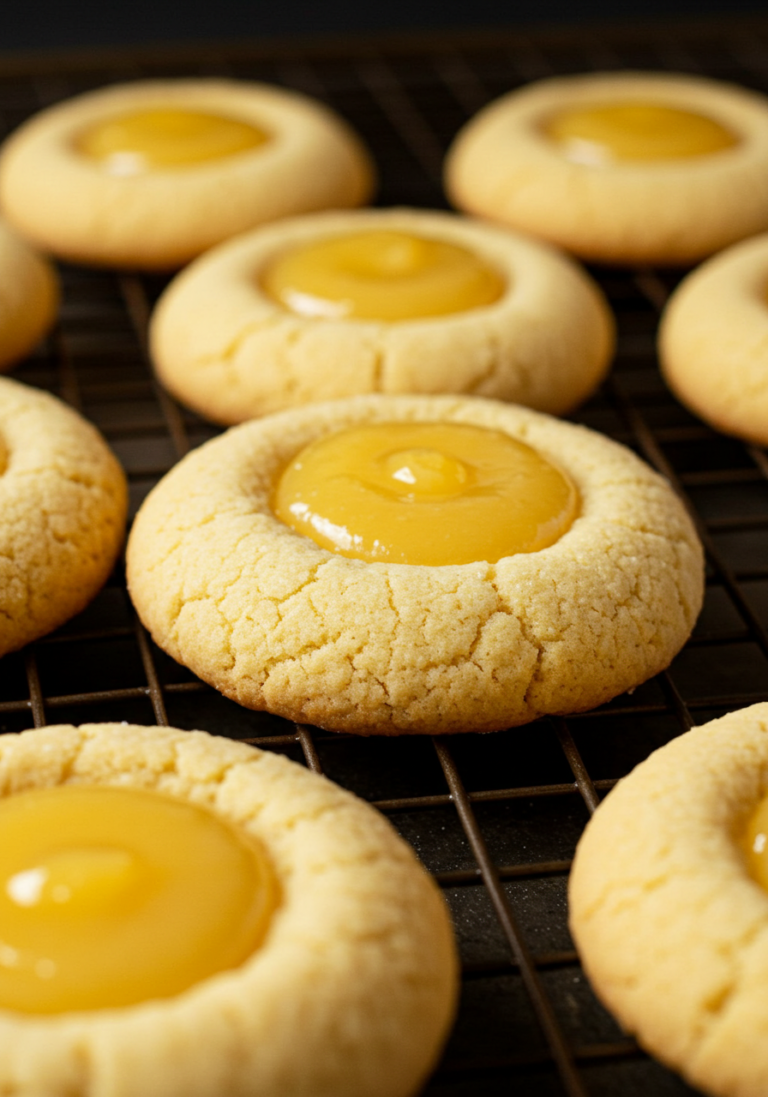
(130, 144)
(381, 275)
(112, 896)
(755, 843)
(425, 493)
(613, 132)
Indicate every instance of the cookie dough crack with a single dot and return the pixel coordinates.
(537, 645)
(716, 1005)
(482, 625)
(285, 604)
(492, 368)
(178, 633)
(227, 354)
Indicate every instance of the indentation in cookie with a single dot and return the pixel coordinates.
(427, 493)
(755, 843)
(128, 144)
(89, 919)
(381, 274)
(635, 131)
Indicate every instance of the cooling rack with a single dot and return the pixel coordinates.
(495, 818)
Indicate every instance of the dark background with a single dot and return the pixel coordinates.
(56, 24)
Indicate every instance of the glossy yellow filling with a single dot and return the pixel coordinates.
(381, 275)
(112, 896)
(636, 131)
(130, 144)
(755, 843)
(425, 493)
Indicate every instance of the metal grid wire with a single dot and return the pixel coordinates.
(495, 818)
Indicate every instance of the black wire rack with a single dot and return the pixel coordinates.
(495, 818)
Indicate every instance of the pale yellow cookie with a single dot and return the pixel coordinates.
(671, 927)
(503, 165)
(29, 297)
(119, 212)
(63, 502)
(225, 347)
(276, 622)
(713, 339)
(351, 992)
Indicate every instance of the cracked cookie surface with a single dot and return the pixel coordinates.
(275, 622)
(159, 219)
(672, 930)
(712, 341)
(63, 501)
(504, 167)
(358, 962)
(222, 346)
(29, 297)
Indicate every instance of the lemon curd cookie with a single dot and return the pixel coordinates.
(29, 297)
(396, 301)
(600, 591)
(347, 943)
(619, 167)
(152, 173)
(712, 341)
(669, 907)
(63, 502)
